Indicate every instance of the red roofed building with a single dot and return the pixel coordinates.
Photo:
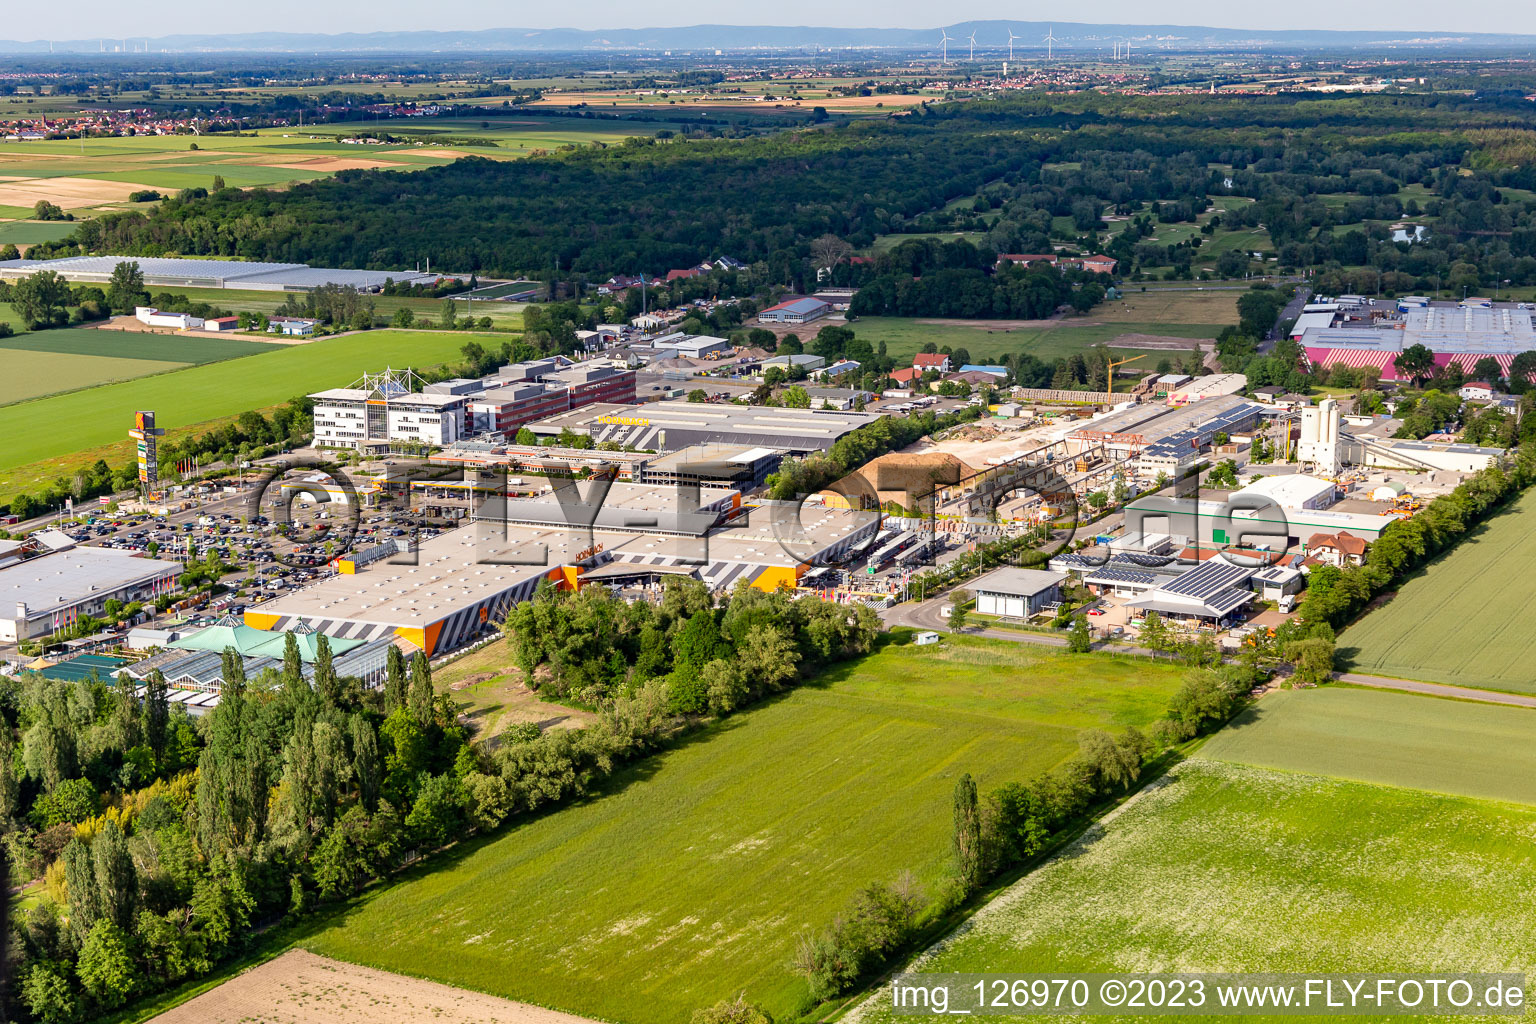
(925, 361)
(1096, 264)
(906, 375)
(1338, 549)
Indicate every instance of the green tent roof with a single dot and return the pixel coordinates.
(230, 631)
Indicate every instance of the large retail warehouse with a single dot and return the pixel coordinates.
(464, 581)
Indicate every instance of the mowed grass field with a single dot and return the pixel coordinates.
(687, 880)
(44, 430)
(989, 340)
(1463, 618)
(1396, 739)
(1224, 867)
(69, 359)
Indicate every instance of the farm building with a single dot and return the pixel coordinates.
(292, 326)
(162, 271)
(1017, 593)
(151, 317)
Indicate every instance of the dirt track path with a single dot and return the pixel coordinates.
(302, 988)
(1438, 690)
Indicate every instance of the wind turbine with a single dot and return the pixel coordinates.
(1011, 38)
(973, 46)
(1050, 43)
(944, 38)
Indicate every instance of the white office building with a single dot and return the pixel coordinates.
(382, 408)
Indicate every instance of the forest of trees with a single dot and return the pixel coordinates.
(1021, 166)
(166, 841)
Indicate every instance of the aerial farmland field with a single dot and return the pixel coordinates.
(688, 878)
(1397, 739)
(1223, 867)
(1478, 593)
(41, 431)
(101, 174)
(70, 359)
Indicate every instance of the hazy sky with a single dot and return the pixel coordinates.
(28, 19)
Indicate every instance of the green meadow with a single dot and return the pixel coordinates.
(687, 879)
(46, 429)
(1454, 596)
(1225, 867)
(1396, 739)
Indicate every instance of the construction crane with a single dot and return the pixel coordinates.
(1109, 372)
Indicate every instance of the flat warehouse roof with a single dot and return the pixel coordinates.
(464, 566)
(673, 425)
(1019, 582)
(218, 273)
(66, 578)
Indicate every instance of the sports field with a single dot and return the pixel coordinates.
(69, 359)
(1463, 618)
(1047, 340)
(1223, 867)
(1396, 739)
(39, 432)
(688, 879)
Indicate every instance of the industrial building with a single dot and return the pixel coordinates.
(50, 592)
(1017, 593)
(388, 407)
(382, 408)
(1462, 334)
(463, 582)
(1164, 439)
(1325, 445)
(668, 426)
(795, 311)
(1211, 594)
(162, 271)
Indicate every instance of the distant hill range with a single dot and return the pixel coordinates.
(991, 39)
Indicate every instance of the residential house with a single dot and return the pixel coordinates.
(925, 361)
(1336, 549)
(1476, 391)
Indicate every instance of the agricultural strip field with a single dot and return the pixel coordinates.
(103, 172)
(1223, 867)
(1478, 593)
(1396, 739)
(48, 428)
(68, 359)
(688, 878)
